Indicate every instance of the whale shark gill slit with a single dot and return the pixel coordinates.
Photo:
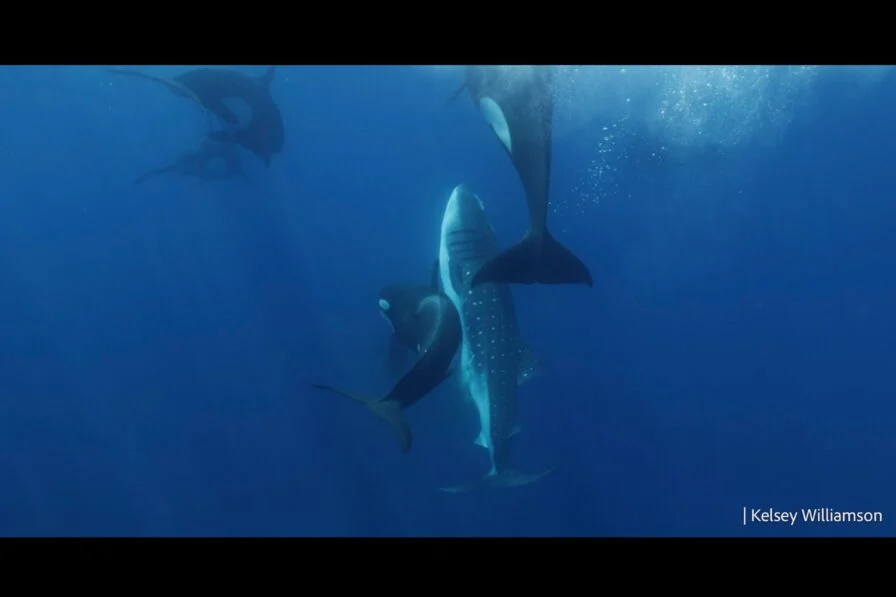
(467, 243)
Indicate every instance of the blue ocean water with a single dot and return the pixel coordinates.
(158, 341)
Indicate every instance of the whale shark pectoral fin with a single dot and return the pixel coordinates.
(455, 276)
(494, 115)
(537, 259)
(481, 440)
(502, 480)
(390, 410)
(529, 367)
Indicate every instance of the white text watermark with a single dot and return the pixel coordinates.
(808, 516)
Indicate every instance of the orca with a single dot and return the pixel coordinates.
(210, 160)
(398, 304)
(441, 324)
(517, 103)
(217, 90)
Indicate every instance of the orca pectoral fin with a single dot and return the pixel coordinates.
(502, 480)
(456, 93)
(174, 86)
(210, 122)
(390, 410)
(133, 73)
(537, 259)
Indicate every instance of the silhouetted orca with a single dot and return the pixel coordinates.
(215, 88)
(211, 160)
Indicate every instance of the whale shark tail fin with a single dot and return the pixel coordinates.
(390, 410)
(537, 259)
(503, 480)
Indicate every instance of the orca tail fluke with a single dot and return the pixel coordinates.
(503, 480)
(390, 410)
(537, 259)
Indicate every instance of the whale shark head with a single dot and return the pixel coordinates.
(466, 209)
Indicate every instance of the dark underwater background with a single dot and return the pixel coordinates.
(158, 341)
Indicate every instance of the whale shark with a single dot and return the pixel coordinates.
(494, 361)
